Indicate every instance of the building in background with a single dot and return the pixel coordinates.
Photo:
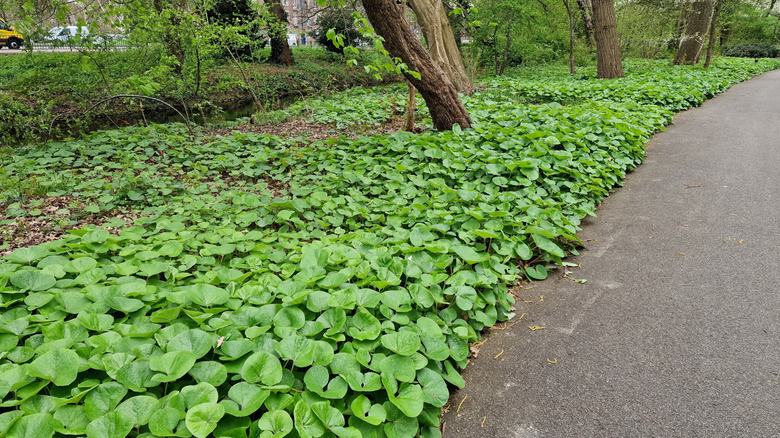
(301, 15)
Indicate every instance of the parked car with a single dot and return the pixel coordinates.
(9, 36)
(66, 33)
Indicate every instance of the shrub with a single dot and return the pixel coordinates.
(751, 50)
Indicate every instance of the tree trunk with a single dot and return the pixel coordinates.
(172, 39)
(572, 70)
(411, 106)
(692, 41)
(280, 48)
(507, 45)
(389, 22)
(679, 26)
(586, 7)
(713, 23)
(441, 41)
(608, 61)
(771, 6)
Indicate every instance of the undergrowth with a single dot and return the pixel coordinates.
(275, 289)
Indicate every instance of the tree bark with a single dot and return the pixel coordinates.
(572, 70)
(389, 22)
(608, 61)
(441, 41)
(693, 39)
(771, 6)
(411, 106)
(586, 7)
(713, 23)
(280, 48)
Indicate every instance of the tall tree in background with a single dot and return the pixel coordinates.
(608, 61)
(172, 10)
(693, 38)
(570, 13)
(280, 48)
(237, 13)
(441, 41)
(587, 8)
(713, 23)
(389, 21)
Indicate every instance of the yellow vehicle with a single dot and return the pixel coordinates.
(9, 36)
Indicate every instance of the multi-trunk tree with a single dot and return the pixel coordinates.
(440, 40)
(440, 94)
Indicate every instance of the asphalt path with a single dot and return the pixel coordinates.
(676, 330)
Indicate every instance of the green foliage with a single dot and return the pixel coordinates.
(751, 50)
(747, 22)
(511, 33)
(342, 23)
(272, 289)
(48, 94)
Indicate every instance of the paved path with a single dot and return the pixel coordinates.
(676, 332)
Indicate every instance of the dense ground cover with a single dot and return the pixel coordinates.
(274, 287)
(43, 94)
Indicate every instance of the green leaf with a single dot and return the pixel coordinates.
(33, 281)
(164, 421)
(399, 367)
(95, 236)
(371, 414)
(33, 426)
(248, 398)
(548, 245)
(306, 423)
(538, 272)
(404, 343)
(277, 423)
(202, 419)
(465, 296)
(206, 295)
(468, 254)
(136, 376)
(202, 393)
(333, 280)
(58, 365)
(173, 365)
(262, 367)
(402, 427)
(298, 349)
(364, 326)
(103, 399)
(292, 317)
(112, 425)
(434, 388)
(408, 398)
(317, 378)
(139, 409)
(329, 416)
(26, 256)
(73, 420)
(194, 340)
(79, 265)
(210, 372)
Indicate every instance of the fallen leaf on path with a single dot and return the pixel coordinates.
(461, 404)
